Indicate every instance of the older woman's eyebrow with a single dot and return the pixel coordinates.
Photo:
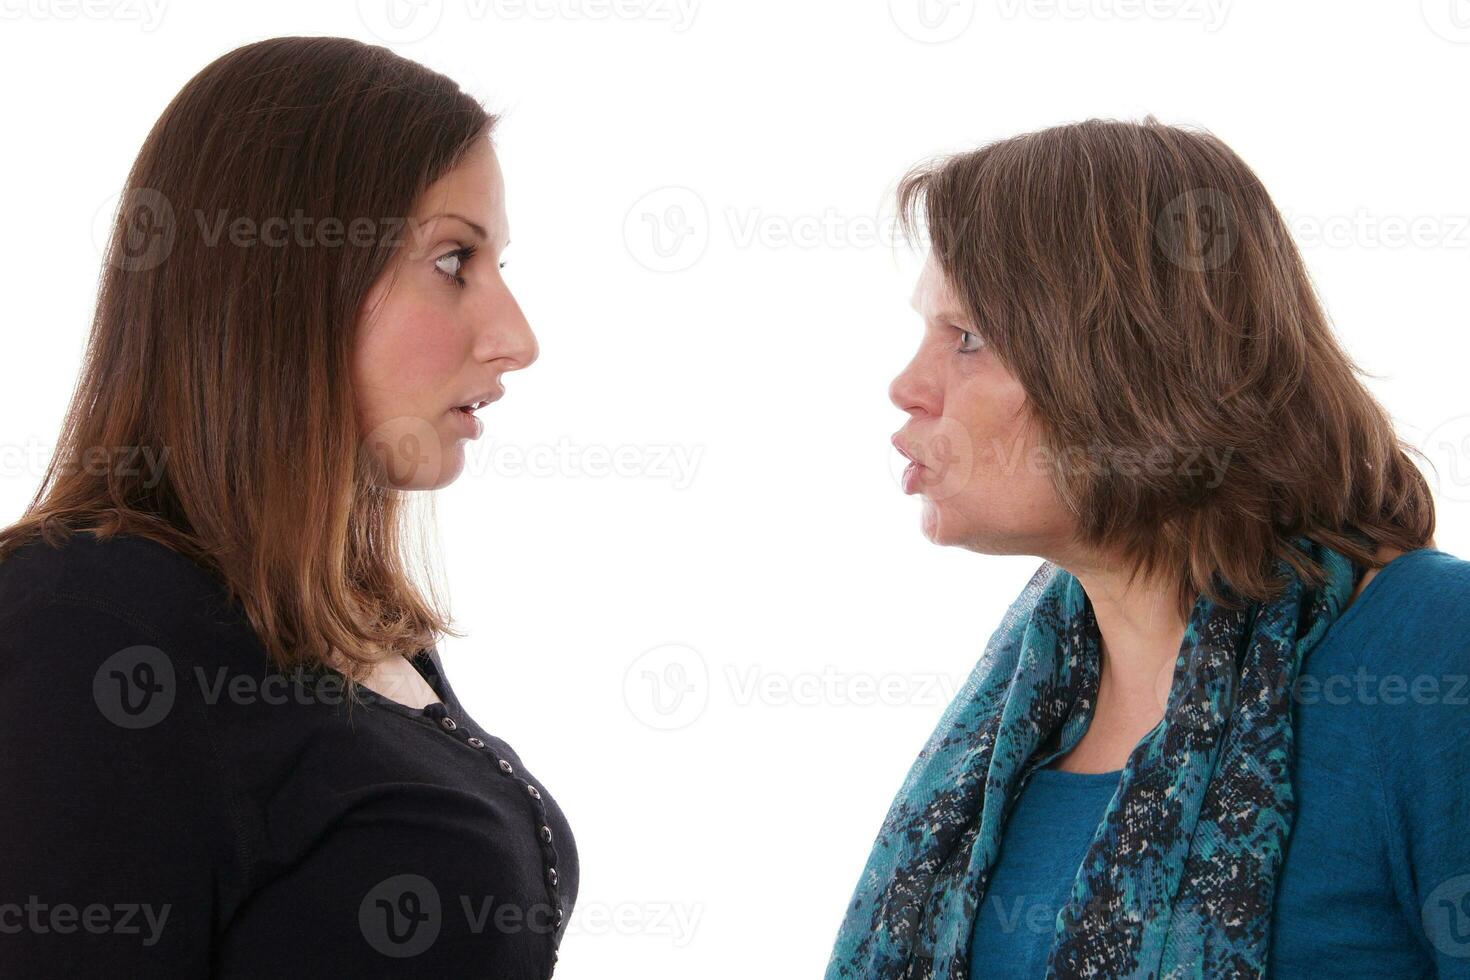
(951, 318)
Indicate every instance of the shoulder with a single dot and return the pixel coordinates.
(74, 614)
(130, 576)
(1394, 672)
(1414, 614)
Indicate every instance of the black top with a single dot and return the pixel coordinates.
(173, 806)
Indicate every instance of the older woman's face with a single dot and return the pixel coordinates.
(976, 464)
(438, 329)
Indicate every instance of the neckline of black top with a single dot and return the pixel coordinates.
(425, 663)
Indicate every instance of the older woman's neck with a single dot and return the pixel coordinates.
(1142, 630)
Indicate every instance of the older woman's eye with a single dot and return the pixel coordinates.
(969, 342)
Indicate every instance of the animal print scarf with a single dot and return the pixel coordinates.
(1180, 876)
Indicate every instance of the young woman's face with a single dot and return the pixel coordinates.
(438, 329)
(973, 445)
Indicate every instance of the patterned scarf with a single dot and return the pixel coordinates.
(1180, 876)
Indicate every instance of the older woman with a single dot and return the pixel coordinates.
(1222, 732)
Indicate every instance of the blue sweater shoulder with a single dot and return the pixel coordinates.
(1402, 666)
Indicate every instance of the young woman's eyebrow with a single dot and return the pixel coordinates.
(478, 230)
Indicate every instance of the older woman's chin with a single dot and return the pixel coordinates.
(940, 528)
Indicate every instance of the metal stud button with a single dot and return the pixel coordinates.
(535, 793)
(448, 723)
(546, 834)
(475, 742)
(506, 767)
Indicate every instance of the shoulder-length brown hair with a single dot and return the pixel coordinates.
(268, 197)
(1143, 289)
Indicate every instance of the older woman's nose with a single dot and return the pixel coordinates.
(911, 391)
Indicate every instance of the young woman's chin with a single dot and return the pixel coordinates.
(410, 452)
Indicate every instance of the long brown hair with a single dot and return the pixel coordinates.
(1140, 284)
(266, 200)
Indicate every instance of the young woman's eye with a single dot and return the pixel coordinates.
(459, 257)
(969, 342)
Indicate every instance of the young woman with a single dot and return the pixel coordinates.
(301, 312)
(1223, 730)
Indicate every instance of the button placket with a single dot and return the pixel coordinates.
(543, 833)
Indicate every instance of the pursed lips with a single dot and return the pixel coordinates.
(898, 445)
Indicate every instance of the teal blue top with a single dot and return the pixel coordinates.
(1376, 878)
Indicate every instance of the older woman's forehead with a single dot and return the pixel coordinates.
(933, 298)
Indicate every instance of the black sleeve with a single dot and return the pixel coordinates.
(112, 834)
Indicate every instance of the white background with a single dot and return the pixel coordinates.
(721, 834)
